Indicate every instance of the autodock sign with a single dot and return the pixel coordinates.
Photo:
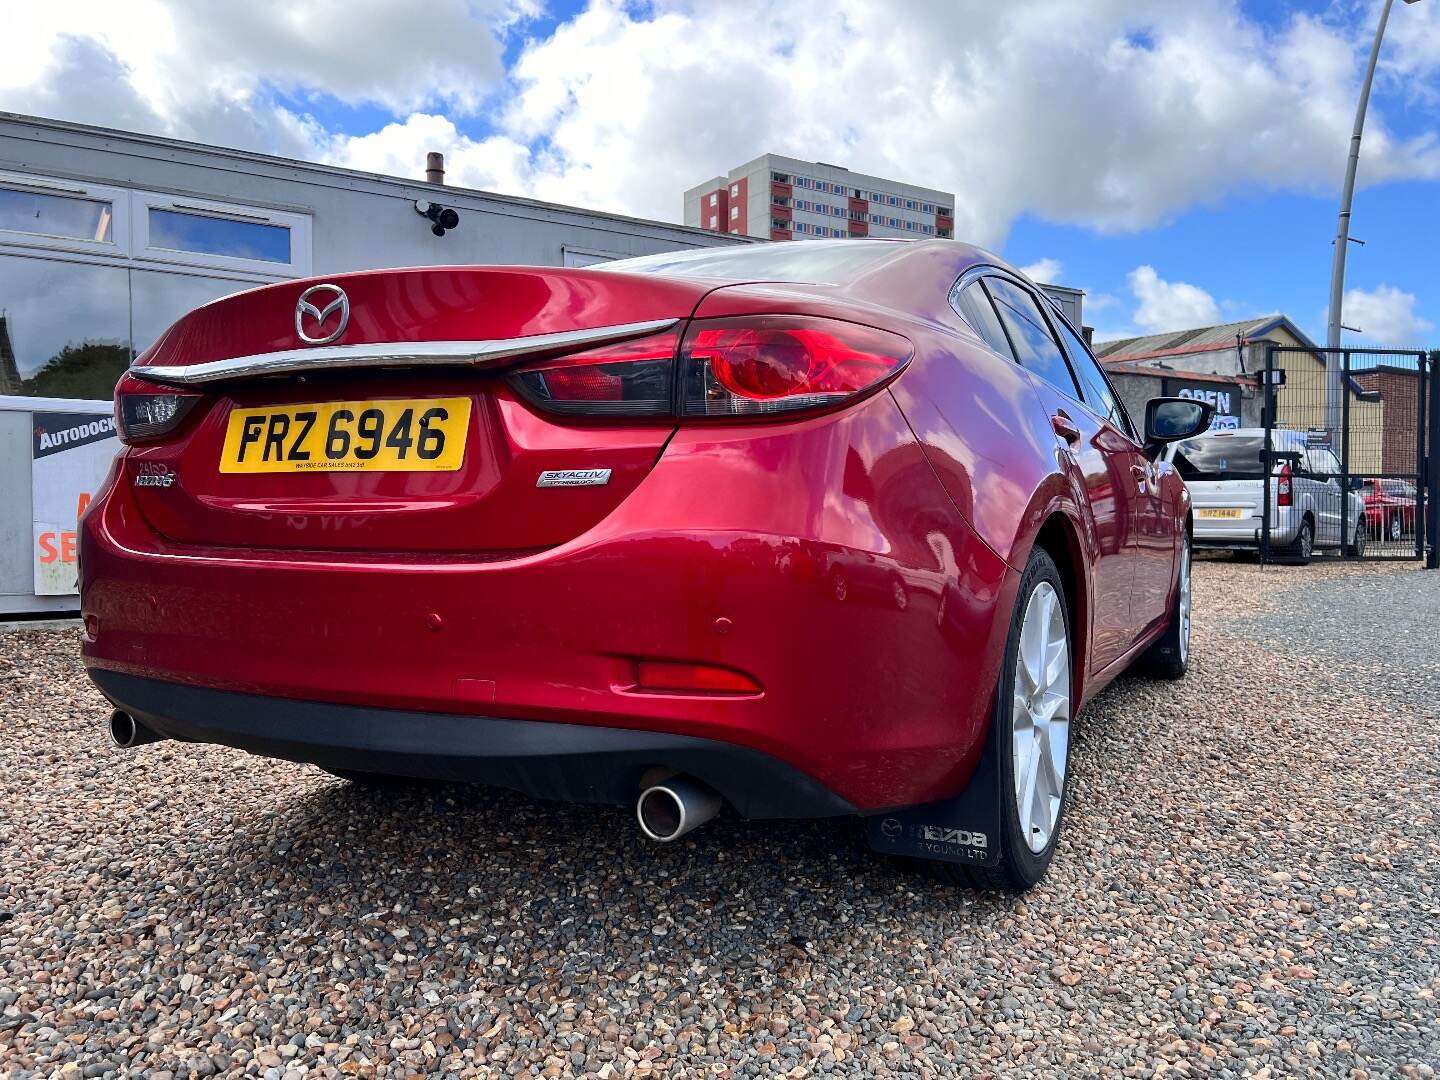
(1225, 396)
(70, 455)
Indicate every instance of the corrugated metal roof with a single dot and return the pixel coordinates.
(1221, 335)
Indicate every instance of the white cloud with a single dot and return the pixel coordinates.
(209, 69)
(1385, 316)
(497, 163)
(1046, 271)
(1170, 305)
(1111, 114)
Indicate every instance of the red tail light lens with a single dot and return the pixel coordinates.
(146, 411)
(1282, 487)
(632, 378)
(694, 678)
(780, 363)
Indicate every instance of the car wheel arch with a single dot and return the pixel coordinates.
(1059, 536)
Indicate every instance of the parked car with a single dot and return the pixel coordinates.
(1225, 474)
(1389, 508)
(808, 529)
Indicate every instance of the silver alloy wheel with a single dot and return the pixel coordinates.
(1184, 602)
(1040, 716)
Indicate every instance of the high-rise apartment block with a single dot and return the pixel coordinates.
(781, 198)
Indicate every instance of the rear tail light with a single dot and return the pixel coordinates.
(767, 364)
(744, 366)
(693, 678)
(145, 411)
(1282, 487)
(632, 378)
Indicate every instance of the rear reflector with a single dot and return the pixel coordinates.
(694, 678)
(144, 411)
(632, 378)
(766, 364)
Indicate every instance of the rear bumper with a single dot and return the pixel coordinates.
(572, 762)
(870, 623)
(1244, 533)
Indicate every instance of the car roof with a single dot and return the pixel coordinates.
(813, 262)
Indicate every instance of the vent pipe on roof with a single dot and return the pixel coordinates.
(435, 167)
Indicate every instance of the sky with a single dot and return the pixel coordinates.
(1178, 160)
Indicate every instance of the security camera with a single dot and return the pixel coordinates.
(442, 218)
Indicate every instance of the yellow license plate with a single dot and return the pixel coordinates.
(1230, 512)
(407, 435)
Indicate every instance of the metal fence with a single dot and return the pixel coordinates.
(1350, 442)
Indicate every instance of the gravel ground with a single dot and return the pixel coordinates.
(1249, 885)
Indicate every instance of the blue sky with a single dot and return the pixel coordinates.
(1180, 161)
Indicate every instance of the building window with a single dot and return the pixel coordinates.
(927, 229)
(780, 177)
(943, 233)
(734, 191)
(909, 204)
(734, 212)
(714, 221)
(220, 235)
(714, 198)
(909, 226)
(776, 223)
(208, 234)
(780, 200)
(876, 219)
(69, 217)
(892, 200)
(802, 181)
(943, 211)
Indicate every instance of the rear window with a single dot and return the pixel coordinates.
(817, 263)
(1230, 457)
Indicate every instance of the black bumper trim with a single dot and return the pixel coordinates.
(570, 762)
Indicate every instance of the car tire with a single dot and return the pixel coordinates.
(1356, 547)
(1027, 846)
(1303, 547)
(1169, 657)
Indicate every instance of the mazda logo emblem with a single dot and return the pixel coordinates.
(334, 299)
(890, 827)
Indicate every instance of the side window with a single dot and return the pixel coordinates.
(975, 308)
(1035, 348)
(1098, 394)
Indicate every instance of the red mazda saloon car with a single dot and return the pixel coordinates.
(808, 529)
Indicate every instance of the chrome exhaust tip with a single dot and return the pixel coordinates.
(668, 810)
(126, 732)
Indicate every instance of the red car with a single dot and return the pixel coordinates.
(806, 529)
(1389, 508)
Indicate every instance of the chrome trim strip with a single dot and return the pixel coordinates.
(390, 354)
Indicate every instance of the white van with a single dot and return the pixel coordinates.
(1225, 475)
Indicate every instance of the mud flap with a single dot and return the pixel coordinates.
(963, 829)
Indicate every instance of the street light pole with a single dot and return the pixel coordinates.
(1342, 229)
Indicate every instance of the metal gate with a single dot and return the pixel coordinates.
(1352, 452)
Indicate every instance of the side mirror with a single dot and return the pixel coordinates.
(1169, 420)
